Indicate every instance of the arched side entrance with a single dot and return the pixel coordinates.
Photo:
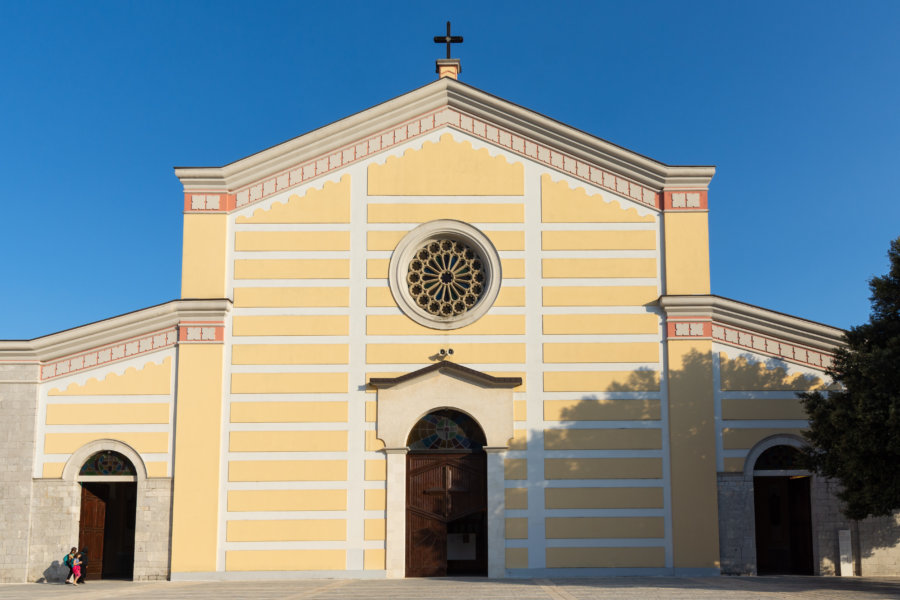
(446, 497)
(401, 402)
(782, 508)
(126, 509)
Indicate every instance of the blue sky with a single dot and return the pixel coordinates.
(796, 103)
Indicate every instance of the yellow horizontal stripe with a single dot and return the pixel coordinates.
(107, 414)
(52, 470)
(602, 468)
(289, 297)
(299, 268)
(291, 241)
(288, 412)
(517, 558)
(599, 267)
(606, 557)
(486, 325)
(375, 500)
(600, 295)
(373, 559)
(604, 527)
(598, 240)
(157, 469)
(287, 530)
(287, 470)
(513, 268)
(373, 529)
(643, 352)
(288, 441)
(470, 213)
(602, 439)
(601, 381)
(516, 498)
(768, 409)
(734, 465)
(288, 383)
(600, 324)
(604, 497)
(66, 443)
(502, 240)
(290, 354)
(292, 325)
(463, 353)
(376, 470)
(515, 468)
(517, 528)
(286, 500)
(285, 560)
(601, 410)
(377, 268)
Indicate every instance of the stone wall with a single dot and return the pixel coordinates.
(55, 507)
(879, 546)
(827, 520)
(153, 527)
(18, 408)
(737, 537)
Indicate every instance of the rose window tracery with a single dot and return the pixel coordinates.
(446, 277)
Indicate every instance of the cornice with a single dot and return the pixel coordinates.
(101, 333)
(449, 367)
(317, 145)
(754, 328)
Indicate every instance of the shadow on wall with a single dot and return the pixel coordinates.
(55, 573)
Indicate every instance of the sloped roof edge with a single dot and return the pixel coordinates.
(742, 315)
(457, 369)
(465, 98)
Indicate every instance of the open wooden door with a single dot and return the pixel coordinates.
(91, 530)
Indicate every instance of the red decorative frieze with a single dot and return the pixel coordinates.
(201, 332)
(208, 202)
(772, 346)
(685, 200)
(109, 353)
(418, 126)
(692, 328)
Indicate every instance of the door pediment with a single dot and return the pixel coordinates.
(403, 400)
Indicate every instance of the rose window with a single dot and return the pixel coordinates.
(446, 277)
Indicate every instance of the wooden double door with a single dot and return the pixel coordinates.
(446, 514)
(106, 529)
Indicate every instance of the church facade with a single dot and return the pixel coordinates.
(445, 335)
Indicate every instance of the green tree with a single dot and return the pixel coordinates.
(854, 432)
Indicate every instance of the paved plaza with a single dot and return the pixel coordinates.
(655, 588)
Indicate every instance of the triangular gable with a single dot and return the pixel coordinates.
(444, 103)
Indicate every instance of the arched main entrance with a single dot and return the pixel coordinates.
(781, 501)
(107, 521)
(446, 496)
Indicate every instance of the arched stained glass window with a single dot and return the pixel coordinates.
(446, 429)
(107, 462)
(779, 458)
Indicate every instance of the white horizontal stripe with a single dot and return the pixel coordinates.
(276, 340)
(600, 396)
(608, 338)
(291, 254)
(269, 455)
(298, 282)
(388, 200)
(320, 545)
(589, 512)
(735, 453)
(278, 515)
(644, 424)
(317, 426)
(335, 368)
(556, 367)
(315, 397)
(591, 453)
(562, 254)
(600, 310)
(649, 226)
(287, 485)
(606, 543)
(759, 395)
(124, 428)
(767, 424)
(291, 226)
(290, 310)
(588, 483)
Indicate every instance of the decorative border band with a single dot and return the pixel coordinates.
(217, 201)
(771, 346)
(201, 332)
(690, 329)
(686, 200)
(110, 353)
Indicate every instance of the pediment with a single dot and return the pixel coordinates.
(445, 103)
(450, 369)
(403, 400)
